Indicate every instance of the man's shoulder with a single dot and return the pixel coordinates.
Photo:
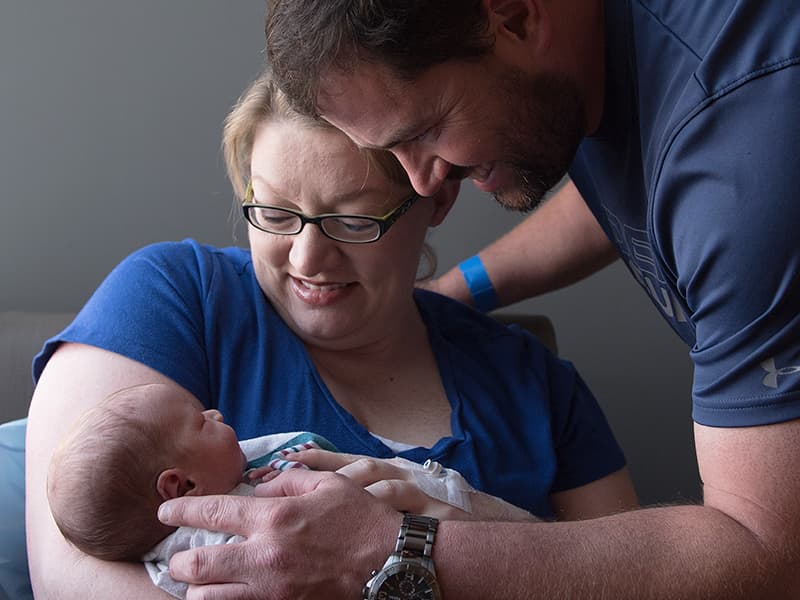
(730, 40)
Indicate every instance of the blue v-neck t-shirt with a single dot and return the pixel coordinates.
(523, 422)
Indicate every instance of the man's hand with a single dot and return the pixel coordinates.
(318, 535)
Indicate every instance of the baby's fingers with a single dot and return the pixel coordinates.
(323, 460)
(260, 472)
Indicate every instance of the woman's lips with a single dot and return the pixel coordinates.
(318, 293)
(321, 286)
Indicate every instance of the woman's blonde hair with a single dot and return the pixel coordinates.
(262, 101)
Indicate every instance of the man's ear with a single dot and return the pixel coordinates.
(174, 483)
(518, 23)
(444, 200)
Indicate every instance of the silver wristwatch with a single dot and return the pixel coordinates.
(408, 573)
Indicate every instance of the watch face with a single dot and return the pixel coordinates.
(405, 581)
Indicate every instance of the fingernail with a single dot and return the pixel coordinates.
(164, 512)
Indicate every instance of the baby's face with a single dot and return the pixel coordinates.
(216, 461)
(219, 450)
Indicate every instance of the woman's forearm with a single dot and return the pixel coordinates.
(60, 572)
(75, 378)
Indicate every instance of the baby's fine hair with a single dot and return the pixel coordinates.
(101, 483)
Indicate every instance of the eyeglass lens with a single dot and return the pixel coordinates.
(350, 229)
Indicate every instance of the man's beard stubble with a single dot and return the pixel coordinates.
(544, 127)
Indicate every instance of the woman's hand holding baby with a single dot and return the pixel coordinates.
(391, 481)
(427, 489)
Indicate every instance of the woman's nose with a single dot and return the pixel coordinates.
(311, 251)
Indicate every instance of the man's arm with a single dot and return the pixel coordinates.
(557, 245)
(743, 543)
(76, 377)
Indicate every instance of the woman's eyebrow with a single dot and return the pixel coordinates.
(345, 196)
(357, 194)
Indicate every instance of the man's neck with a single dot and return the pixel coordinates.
(580, 33)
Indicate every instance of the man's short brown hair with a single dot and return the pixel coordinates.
(307, 38)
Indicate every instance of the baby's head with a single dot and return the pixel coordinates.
(128, 454)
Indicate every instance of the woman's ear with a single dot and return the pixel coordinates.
(174, 483)
(443, 200)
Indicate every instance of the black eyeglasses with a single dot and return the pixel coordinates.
(352, 229)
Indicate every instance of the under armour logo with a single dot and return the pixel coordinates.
(771, 378)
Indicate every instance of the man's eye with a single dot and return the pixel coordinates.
(424, 136)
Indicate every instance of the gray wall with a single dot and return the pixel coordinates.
(110, 117)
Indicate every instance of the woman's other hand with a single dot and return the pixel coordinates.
(406, 486)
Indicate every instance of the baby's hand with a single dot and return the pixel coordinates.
(279, 461)
(261, 474)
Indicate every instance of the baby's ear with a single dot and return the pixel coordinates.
(173, 483)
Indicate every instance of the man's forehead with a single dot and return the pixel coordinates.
(367, 104)
(363, 83)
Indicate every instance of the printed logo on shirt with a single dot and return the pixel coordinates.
(634, 245)
(773, 372)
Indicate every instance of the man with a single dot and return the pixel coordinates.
(679, 124)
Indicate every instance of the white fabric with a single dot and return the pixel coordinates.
(397, 447)
(266, 444)
(184, 538)
(436, 481)
(156, 562)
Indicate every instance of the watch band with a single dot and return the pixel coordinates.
(409, 571)
(416, 536)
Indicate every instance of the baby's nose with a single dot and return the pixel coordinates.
(213, 414)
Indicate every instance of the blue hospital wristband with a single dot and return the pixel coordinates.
(479, 284)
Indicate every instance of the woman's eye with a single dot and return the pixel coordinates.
(275, 217)
(354, 225)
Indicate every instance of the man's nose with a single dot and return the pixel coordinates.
(426, 170)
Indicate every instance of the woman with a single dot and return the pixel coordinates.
(319, 328)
